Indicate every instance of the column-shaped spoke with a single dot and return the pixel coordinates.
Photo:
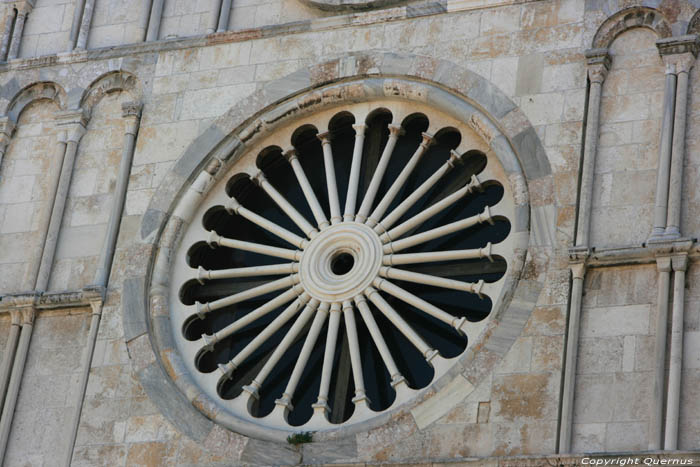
(436, 208)
(368, 200)
(285, 205)
(321, 404)
(400, 181)
(417, 194)
(331, 184)
(311, 199)
(354, 182)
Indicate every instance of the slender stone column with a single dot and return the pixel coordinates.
(96, 306)
(75, 26)
(679, 264)
(8, 409)
(663, 264)
(75, 123)
(85, 25)
(9, 355)
(144, 18)
(154, 20)
(131, 111)
(673, 222)
(598, 66)
(24, 10)
(7, 127)
(578, 271)
(7, 33)
(664, 164)
(214, 16)
(45, 219)
(224, 16)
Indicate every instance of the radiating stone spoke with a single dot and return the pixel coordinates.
(331, 184)
(302, 360)
(426, 214)
(400, 180)
(368, 200)
(234, 206)
(354, 182)
(204, 275)
(286, 297)
(311, 199)
(321, 404)
(285, 343)
(355, 356)
(435, 256)
(438, 232)
(204, 308)
(217, 240)
(400, 324)
(285, 205)
(427, 279)
(405, 296)
(227, 369)
(419, 192)
(396, 376)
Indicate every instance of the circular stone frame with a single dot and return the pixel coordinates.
(352, 5)
(441, 84)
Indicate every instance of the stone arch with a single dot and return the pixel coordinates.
(633, 17)
(109, 82)
(34, 92)
(694, 24)
(445, 85)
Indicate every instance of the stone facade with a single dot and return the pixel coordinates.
(116, 116)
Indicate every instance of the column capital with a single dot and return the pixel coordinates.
(359, 128)
(578, 270)
(290, 153)
(395, 130)
(74, 122)
(16, 317)
(663, 263)
(28, 315)
(7, 128)
(24, 7)
(679, 262)
(131, 109)
(679, 63)
(131, 112)
(598, 62)
(679, 45)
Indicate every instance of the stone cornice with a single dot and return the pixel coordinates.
(634, 254)
(679, 45)
(347, 20)
(51, 300)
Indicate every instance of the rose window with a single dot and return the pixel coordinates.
(342, 266)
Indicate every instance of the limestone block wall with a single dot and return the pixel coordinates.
(531, 53)
(115, 23)
(90, 196)
(629, 141)
(25, 193)
(615, 360)
(51, 376)
(47, 28)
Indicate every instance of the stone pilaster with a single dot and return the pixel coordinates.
(23, 10)
(599, 62)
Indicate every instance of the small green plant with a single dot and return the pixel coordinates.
(300, 438)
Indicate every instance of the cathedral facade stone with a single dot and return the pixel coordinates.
(349, 232)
